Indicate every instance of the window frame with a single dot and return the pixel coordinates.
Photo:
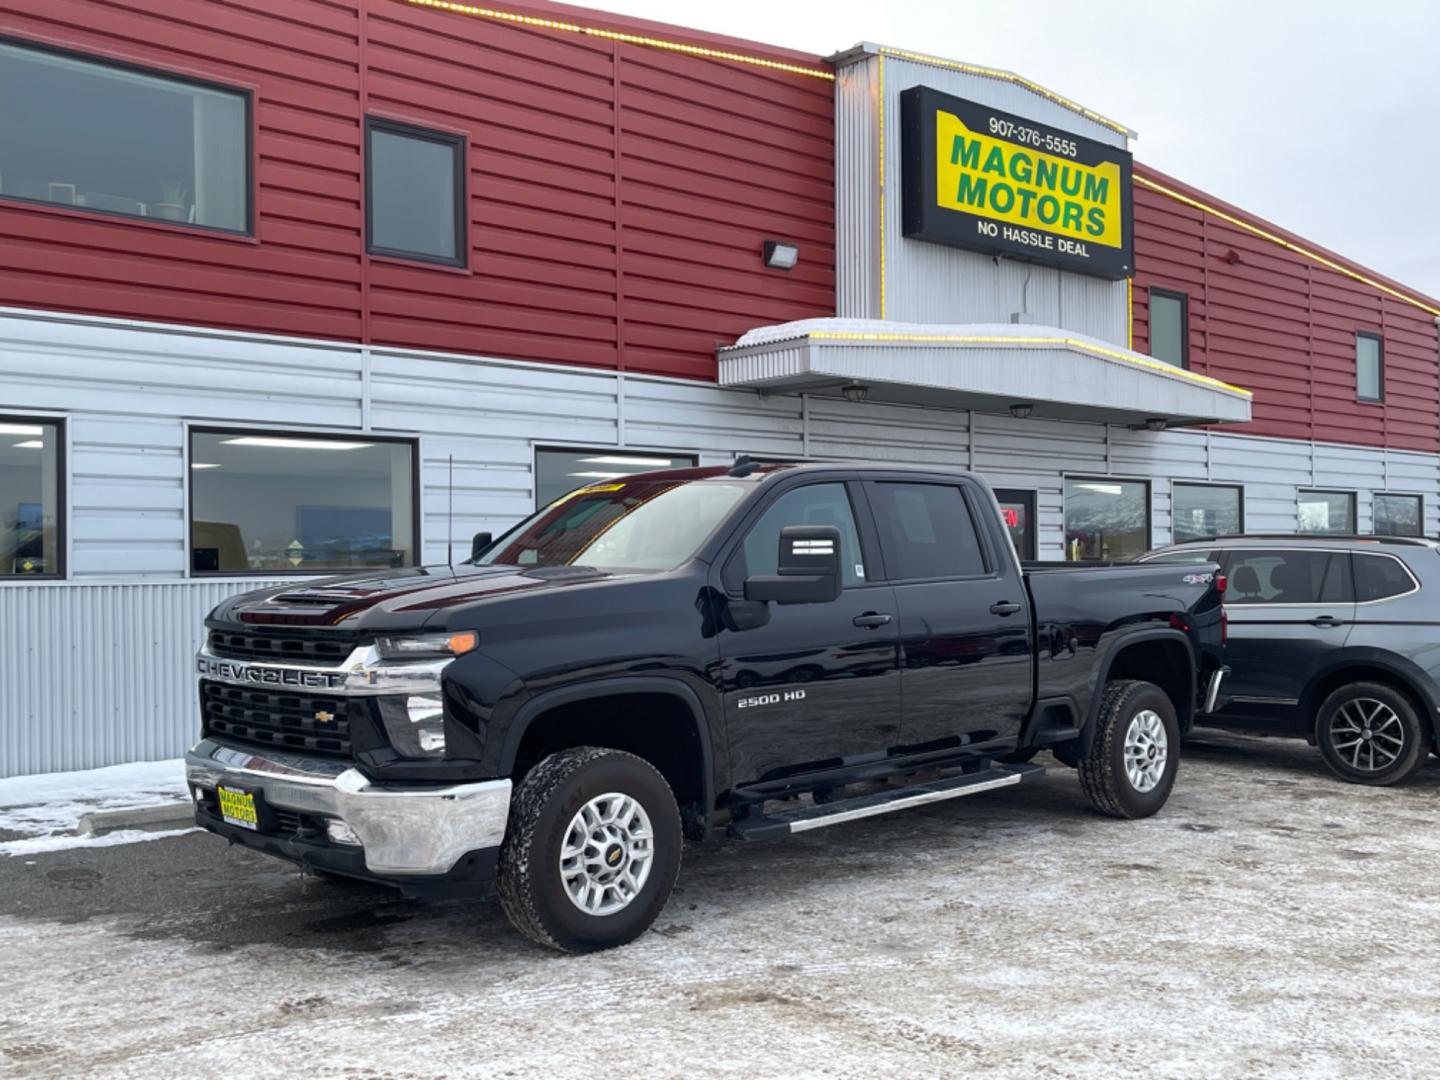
(1379, 340)
(1031, 498)
(1066, 478)
(537, 448)
(62, 499)
(1237, 488)
(1353, 496)
(1419, 500)
(459, 143)
(416, 494)
(1184, 298)
(245, 91)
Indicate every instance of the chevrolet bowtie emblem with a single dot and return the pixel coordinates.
(323, 717)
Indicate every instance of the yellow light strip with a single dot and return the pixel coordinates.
(1130, 313)
(880, 85)
(616, 35)
(1007, 339)
(1329, 264)
(1010, 77)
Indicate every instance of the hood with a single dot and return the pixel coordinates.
(394, 599)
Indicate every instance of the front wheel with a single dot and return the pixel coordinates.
(1131, 765)
(1369, 733)
(592, 850)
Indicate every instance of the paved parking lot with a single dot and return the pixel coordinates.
(1271, 921)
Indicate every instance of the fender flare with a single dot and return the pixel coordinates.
(1411, 680)
(1119, 645)
(603, 688)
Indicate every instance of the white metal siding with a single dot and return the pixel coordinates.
(97, 670)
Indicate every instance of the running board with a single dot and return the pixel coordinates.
(770, 826)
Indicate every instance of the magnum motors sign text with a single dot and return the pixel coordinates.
(976, 177)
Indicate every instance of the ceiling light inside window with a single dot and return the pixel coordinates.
(618, 459)
(598, 475)
(205, 465)
(33, 444)
(21, 429)
(295, 444)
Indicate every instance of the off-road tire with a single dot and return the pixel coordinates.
(531, 891)
(1413, 753)
(1103, 776)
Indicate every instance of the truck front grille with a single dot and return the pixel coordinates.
(246, 644)
(303, 723)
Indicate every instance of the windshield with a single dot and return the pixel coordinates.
(630, 525)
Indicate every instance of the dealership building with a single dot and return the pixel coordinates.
(335, 286)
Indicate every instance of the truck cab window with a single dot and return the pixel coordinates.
(926, 532)
(815, 504)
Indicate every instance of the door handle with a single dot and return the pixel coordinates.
(871, 620)
(1004, 607)
(1326, 620)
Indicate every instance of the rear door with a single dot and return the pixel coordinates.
(1289, 610)
(965, 635)
(808, 686)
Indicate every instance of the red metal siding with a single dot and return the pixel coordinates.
(1282, 324)
(619, 195)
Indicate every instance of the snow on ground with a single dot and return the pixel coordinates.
(41, 813)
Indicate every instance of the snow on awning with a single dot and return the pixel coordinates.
(986, 367)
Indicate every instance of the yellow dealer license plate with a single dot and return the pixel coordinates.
(238, 808)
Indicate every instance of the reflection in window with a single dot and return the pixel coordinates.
(926, 532)
(814, 504)
(559, 472)
(1379, 577)
(1200, 511)
(1327, 512)
(30, 541)
(277, 502)
(416, 193)
(1399, 515)
(1106, 519)
(1168, 317)
(108, 138)
(1369, 368)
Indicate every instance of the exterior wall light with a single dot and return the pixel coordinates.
(1156, 423)
(1021, 412)
(780, 256)
(855, 392)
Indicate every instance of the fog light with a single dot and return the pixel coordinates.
(341, 833)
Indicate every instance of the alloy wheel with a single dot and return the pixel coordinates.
(1368, 735)
(1146, 750)
(607, 854)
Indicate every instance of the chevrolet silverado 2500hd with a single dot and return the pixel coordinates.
(756, 650)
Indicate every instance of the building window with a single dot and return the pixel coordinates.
(1106, 518)
(1200, 511)
(1017, 510)
(414, 193)
(277, 502)
(1169, 327)
(32, 537)
(114, 139)
(1399, 515)
(1327, 512)
(559, 471)
(1369, 367)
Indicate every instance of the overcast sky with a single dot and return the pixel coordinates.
(1323, 117)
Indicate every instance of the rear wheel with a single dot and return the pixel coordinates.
(592, 850)
(1131, 765)
(1369, 733)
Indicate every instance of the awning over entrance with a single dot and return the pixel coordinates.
(987, 367)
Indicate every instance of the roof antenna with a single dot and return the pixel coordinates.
(450, 520)
(743, 466)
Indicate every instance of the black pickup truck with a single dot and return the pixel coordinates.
(756, 650)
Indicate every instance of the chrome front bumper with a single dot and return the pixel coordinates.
(403, 831)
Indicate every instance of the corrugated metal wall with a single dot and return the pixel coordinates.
(1283, 325)
(933, 283)
(619, 195)
(95, 675)
(97, 670)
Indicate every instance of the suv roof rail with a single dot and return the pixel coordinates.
(1317, 538)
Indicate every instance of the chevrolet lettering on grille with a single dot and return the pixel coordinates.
(233, 671)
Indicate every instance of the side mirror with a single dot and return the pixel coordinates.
(809, 568)
(479, 544)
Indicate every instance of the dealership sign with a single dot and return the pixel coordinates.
(979, 178)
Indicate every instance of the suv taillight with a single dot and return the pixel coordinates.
(1221, 584)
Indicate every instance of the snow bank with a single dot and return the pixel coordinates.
(47, 807)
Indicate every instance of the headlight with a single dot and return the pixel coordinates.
(427, 646)
(415, 725)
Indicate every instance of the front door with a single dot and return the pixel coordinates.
(807, 686)
(1289, 610)
(967, 650)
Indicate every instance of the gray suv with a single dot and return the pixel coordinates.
(1335, 639)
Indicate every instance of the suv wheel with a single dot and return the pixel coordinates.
(592, 850)
(1369, 733)
(1132, 762)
